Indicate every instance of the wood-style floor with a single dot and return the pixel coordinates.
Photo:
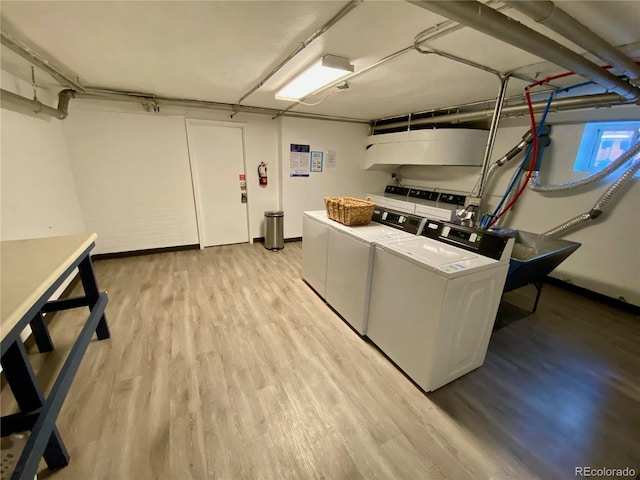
(224, 364)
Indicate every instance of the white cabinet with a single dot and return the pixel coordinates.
(443, 146)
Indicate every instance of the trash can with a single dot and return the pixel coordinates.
(274, 235)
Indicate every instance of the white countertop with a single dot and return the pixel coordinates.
(30, 267)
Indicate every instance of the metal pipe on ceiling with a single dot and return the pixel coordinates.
(346, 9)
(493, 130)
(571, 103)
(547, 13)
(39, 61)
(11, 99)
(105, 94)
(348, 77)
(491, 22)
(436, 31)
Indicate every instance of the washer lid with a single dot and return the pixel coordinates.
(372, 233)
(446, 260)
(433, 253)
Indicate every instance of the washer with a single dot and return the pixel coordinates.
(350, 261)
(434, 299)
(431, 204)
(315, 234)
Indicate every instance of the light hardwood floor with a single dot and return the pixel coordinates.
(224, 364)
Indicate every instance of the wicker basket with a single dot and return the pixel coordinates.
(348, 210)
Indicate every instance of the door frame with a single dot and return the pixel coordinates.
(194, 171)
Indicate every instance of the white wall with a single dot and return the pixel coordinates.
(348, 178)
(39, 197)
(37, 187)
(609, 258)
(134, 174)
(133, 179)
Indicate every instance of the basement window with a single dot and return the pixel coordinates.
(603, 142)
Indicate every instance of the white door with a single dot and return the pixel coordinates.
(216, 152)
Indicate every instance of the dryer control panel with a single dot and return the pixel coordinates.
(400, 220)
(488, 244)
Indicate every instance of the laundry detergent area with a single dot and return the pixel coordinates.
(320, 239)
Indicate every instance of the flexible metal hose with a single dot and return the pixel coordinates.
(599, 206)
(618, 184)
(560, 230)
(621, 160)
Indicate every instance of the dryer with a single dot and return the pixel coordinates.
(434, 299)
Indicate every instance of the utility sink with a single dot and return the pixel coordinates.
(534, 256)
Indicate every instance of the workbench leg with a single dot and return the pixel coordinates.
(90, 285)
(41, 334)
(538, 286)
(24, 385)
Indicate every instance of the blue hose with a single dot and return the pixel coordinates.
(486, 219)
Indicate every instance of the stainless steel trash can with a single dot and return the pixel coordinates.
(274, 234)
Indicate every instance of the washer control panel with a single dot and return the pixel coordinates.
(488, 244)
(400, 220)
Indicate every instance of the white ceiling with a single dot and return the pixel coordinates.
(219, 50)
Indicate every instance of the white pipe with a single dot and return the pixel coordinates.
(104, 94)
(493, 131)
(491, 22)
(346, 9)
(11, 99)
(548, 14)
(36, 59)
(570, 103)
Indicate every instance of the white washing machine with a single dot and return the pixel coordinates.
(431, 204)
(350, 261)
(434, 300)
(315, 238)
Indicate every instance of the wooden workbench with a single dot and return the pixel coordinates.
(31, 271)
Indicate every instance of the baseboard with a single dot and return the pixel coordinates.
(590, 294)
(286, 240)
(150, 251)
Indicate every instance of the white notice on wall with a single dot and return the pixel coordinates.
(299, 160)
(316, 161)
(330, 160)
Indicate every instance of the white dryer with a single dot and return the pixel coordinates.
(434, 299)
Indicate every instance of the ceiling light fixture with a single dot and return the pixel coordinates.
(326, 70)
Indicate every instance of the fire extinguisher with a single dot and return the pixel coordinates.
(262, 174)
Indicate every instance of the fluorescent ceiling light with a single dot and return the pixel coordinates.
(323, 72)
